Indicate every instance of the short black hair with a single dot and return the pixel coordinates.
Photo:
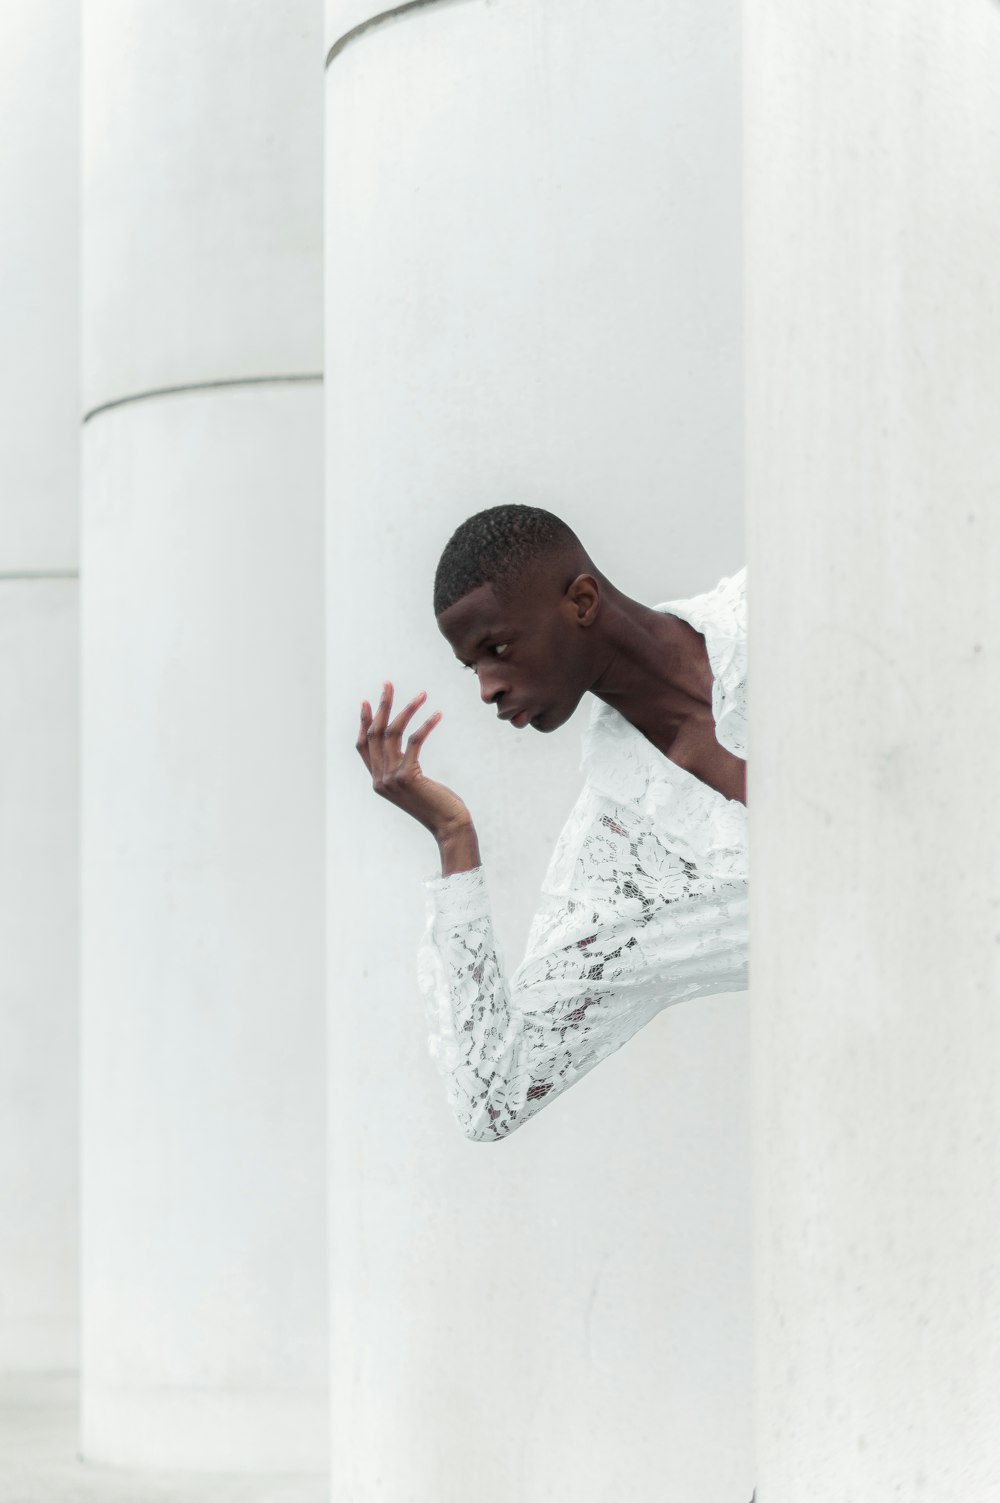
(496, 546)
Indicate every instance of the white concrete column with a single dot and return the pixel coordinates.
(873, 165)
(39, 446)
(533, 293)
(203, 1123)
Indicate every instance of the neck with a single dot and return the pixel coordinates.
(650, 664)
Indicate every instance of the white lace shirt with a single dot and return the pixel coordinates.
(645, 903)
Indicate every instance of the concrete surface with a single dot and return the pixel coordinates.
(873, 369)
(40, 1460)
(39, 710)
(533, 293)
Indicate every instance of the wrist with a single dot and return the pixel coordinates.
(459, 847)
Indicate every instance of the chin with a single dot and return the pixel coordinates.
(546, 720)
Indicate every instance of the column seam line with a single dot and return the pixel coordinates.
(363, 26)
(167, 391)
(39, 574)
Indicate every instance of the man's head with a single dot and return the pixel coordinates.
(515, 594)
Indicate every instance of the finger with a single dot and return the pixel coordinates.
(362, 741)
(402, 720)
(418, 738)
(382, 713)
(376, 732)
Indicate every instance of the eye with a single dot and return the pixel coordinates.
(500, 648)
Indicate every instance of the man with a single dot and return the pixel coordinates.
(645, 901)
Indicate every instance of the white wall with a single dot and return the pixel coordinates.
(39, 402)
(533, 293)
(204, 1335)
(873, 159)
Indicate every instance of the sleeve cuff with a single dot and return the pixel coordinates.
(459, 898)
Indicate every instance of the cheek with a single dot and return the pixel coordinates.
(543, 682)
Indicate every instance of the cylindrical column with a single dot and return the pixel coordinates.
(873, 164)
(533, 293)
(203, 1277)
(39, 449)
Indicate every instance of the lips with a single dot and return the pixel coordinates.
(517, 718)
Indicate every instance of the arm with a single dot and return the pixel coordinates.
(398, 777)
(627, 926)
(628, 930)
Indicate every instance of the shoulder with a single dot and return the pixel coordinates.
(720, 611)
(727, 604)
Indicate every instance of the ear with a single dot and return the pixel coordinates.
(582, 600)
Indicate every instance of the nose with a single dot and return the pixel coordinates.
(491, 686)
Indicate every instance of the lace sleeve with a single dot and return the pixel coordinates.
(729, 663)
(626, 927)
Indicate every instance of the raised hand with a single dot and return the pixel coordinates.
(397, 776)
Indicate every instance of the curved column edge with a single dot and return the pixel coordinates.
(169, 391)
(376, 20)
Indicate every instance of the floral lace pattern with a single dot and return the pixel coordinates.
(644, 904)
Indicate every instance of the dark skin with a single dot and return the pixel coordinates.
(564, 632)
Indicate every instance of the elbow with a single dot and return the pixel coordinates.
(492, 1124)
(479, 1131)
(489, 1126)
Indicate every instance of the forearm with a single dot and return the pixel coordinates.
(461, 975)
(458, 845)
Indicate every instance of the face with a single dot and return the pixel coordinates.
(531, 654)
